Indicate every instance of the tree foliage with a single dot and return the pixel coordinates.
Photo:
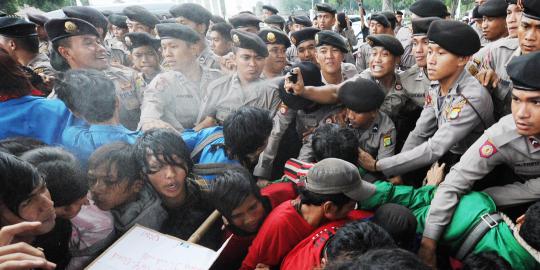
(11, 6)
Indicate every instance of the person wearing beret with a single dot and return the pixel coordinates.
(296, 23)
(91, 15)
(140, 19)
(399, 21)
(174, 97)
(245, 22)
(275, 21)
(40, 21)
(277, 43)
(378, 24)
(457, 109)
(198, 18)
(77, 45)
(145, 54)
(513, 141)
(331, 48)
(245, 86)
(494, 19)
(268, 10)
(220, 38)
(299, 22)
(118, 30)
(304, 43)
(326, 18)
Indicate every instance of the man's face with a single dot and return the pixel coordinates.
(249, 64)
(85, 51)
(381, 62)
(329, 58)
(109, 192)
(177, 54)
(494, 28)
(376, 28)
(218, 44)
(513, 18)
(529, 35)
(249, 215)
(168, 180)
(399, 18)
(70, 211)
(479, 2)
(42, 33)
(277, 58)
(250, 28)
(326, 20)
(119, 32)
(360, 120)
(526, 111)
(420, 47)
(306, 51)
(441, 64)
(296, 27)
(145, 59)
(266, 13)
(135, 26)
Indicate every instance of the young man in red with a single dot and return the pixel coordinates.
(332, 188)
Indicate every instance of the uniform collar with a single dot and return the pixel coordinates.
(533, 144)
(516, 53)
(454, 89)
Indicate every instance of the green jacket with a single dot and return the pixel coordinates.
(468, 212)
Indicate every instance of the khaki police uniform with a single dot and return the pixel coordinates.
(364, 53)
(209, 59)
(41, 64)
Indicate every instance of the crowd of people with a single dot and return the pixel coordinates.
(410, 146)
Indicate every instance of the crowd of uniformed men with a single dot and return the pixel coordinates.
(408, 146)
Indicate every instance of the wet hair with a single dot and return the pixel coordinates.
(89, 93)
(356, 238)
(245, 131)
(333, 141)
(530, 229)
(311, 198)
(399, 222)
(18, 179)
(18, 145)
(62, 173)
(162, 142)
(118, 156)
(29, 44)
(224, 29)
(230, 190)
(15, 81)
(485, 261)
(382, 259)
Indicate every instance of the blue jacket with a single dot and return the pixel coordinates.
(34, 117)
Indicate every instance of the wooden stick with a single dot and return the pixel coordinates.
(205, 226)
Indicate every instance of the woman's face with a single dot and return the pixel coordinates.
(168, 180)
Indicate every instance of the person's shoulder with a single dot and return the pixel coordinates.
(221, 81)
(409, 73)
(385, 122)
(470, 87)
(504, 43)
(503, 132)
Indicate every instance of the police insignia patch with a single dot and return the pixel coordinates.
(236, 40)
(454, 113)
(70, 27)
(316, 39)
(487, 149)
(128, 41)
(293, 40)
(283, 109)
(399, 87)
(387, 140)
(427, 100)
(271, 37)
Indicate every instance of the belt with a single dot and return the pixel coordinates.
(486, 223)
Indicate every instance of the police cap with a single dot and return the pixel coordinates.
(361, 95)
(118, 20)
(327, 37)
(324, 7)
(429, 8)
(302, 20)
(493, 8)
(16, 27)
(193, 12)
(531, 9)
(139, 39)
(275, 19)
(420, 26)
(91, 15)
(302, 35)
(380, 18)
(388, 42)
(38, 19)
(68, 27)
(141, 15)
(247, 40)
(177, 31)
(274, 36)
(243, 20)
(391, 18)
(455, 37)
(271, 9)
(522, 71)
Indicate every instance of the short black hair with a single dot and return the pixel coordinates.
(245, 131)
(311, 198)
(357, 237)
(485, 261)
(89, 93)
(119, 156)
(230, 189)
(18, 145)
(29, 44)
(382, 259)
(164, 142)
(224, 29)
(333, 141)
(530, 229)
(48, 153)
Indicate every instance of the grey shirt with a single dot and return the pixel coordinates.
(41, 64)
(209, 59)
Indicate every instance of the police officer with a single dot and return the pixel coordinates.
(457, 110)
(220, 38)
(140, 19)
(144, 54)
(297, 23)
(198, 18)
(40, 21)
(119, 29)
(326, 17)
(276, 22)
(173, 98)
(77, 44)
(304, 43)
(378, 24)
(268, 11)
(277, 43)
(91, 15)
(493, 19)
(246, 22)
(513, 141)
(330, 52)
(243, 87)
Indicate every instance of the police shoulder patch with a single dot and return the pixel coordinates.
(387, 140)
(283, 109)
(487, 149)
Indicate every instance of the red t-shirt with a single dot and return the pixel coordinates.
(237, 248)
(307, 254)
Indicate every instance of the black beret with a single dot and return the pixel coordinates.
(302, 20)
(243, 20)
(118, 20)
(475, 14)
(38, 19)
(16, 27)
(274, 36)
(429, 8)
(361, 95)
(311, 75)
(247, 40)
(270, 8)
(327, 37)
(68, 27)
(88, 14)
(388, 42)
(142, 15)
(193, 12)
(399, 12)
(391, 18)
(383, 20)
(493, 8)
(531, 9)
(177, 31)
(455, 37)
(300, 36)
(522, 71)
(324, 7)
(217, 19)
(139, 39)
(420, 26)
(107, 13)
(274, 19)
